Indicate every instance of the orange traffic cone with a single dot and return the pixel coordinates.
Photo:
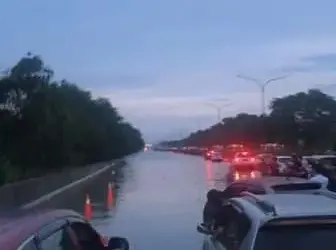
(87, 208)
(109, 196)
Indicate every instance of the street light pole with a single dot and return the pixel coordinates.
(262, 85)
(219, 110)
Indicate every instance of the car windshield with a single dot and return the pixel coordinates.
(294, 237)
(297, 186)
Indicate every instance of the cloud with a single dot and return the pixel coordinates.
(314, 63)
(159, 62)
(179, 97)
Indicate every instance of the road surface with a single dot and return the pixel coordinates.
(159, 200)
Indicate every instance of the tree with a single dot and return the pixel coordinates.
(47, 125)
(302, 117)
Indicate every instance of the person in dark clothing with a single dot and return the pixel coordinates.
(297, 161)
(264, 167)
(274, 166)
(319, 168)
(332, 184)
(212, 206)
(297, 169)
(319, 173)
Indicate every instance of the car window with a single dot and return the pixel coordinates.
(255, 190)
(234, 230)
(296, 237)
(87, 237)
(330, 161)
(59, 240)
(284, 160)
(28, 246)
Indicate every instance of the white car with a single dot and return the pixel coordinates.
(283, 162)
(274, 221)
(329, 161)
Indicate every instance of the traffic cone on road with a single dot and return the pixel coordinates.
(88, 208)
(109, 196)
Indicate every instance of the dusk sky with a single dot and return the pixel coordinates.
(161, 62)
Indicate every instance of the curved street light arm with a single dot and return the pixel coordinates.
(256, 81)
(273, 80)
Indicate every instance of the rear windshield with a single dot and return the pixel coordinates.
(284, 160)
(328, 161)
(297, 186)
(295, 237)
(242, 155)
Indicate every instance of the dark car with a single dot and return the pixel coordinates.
(265, 185)
(54, 229)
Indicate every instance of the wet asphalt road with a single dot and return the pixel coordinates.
(159, 198)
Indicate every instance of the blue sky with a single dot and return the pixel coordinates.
(161, 62)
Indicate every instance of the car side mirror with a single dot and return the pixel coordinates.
(203, 229)
(118, 243)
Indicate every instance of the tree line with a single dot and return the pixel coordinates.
(47, 125)
(302, 121)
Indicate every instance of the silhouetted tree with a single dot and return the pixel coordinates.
(46, 125)
(307, 117)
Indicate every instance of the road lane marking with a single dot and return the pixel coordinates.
(64, 188)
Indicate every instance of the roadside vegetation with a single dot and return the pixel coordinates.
(48, 125)
(304, 121)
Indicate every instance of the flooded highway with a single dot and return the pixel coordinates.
(159, 199)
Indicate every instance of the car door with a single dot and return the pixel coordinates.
(86, 235)
(234, 229)
(29, 244)
(56, 236)
(214, 241)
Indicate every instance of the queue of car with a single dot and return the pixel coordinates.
(270, 212)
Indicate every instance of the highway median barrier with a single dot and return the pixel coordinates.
(59, 190)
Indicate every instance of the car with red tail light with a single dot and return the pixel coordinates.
(243, 157)
(213, 155)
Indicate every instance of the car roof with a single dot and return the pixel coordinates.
(283, 157)
(294, 205)
(280, 184)
(322, 156)
(17, 226)
(264, 208)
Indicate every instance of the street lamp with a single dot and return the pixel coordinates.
(219, 110)
(262, 85)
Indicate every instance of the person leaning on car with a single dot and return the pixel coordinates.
(212, 206)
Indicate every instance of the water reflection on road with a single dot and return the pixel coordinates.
(159, 200)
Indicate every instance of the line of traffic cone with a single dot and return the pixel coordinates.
(88, 205)
(88, 208)
(109, 198)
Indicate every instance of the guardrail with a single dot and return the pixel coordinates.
(25, 192)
